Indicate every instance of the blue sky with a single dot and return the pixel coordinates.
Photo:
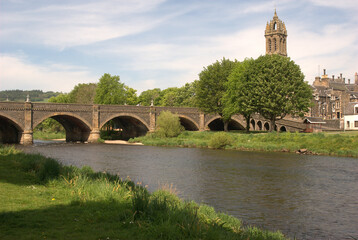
(54, 45)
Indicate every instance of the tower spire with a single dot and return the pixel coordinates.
(276, 36)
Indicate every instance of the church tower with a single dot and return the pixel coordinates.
(276, 37)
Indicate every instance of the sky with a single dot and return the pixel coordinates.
(54, 45)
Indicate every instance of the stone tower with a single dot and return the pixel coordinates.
(276, 37)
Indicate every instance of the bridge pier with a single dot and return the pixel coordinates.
(26, 138)
(94, 136)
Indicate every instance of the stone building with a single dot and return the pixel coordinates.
(332, 96)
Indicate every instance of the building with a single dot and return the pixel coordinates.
(351, 116)
(276, 37)
(333, 98)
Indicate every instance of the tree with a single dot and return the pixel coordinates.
(131, 96)
(146, 97)
(280, 84)
(168, 125)
(212, 86)
(110, 90)
(83, 93)
(62, 98)
(242, 95)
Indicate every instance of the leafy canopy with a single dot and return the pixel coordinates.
(110, 90)
(211, 86)
(281, 85)
(168, 125)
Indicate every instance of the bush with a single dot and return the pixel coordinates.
(168, 125)
(220, 140)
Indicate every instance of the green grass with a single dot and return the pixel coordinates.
(44, 135)
(338, 144)
(41, 199)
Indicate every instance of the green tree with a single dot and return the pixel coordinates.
(212, 87)
(280, 84)
(168, 125)
(61, 98)
(169, 97)
(187, 94)
(242, 95)
(146, 97)
(110, 90)
(83, 93)
(131, 96)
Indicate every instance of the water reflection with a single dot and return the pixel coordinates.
(307, 197)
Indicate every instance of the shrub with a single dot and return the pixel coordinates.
(220, 140)
(168, 125)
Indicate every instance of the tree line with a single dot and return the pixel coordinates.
(270, 85)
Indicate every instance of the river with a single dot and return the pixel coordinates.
(307, 197)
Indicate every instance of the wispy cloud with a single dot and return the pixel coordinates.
(19, 74)
(71, 25)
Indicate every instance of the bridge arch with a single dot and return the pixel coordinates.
(267, 126)
(216, 124)
(77, 128)
(188, 123)
(283, 129)
(127, 125)
(252, 124)
(10, 130)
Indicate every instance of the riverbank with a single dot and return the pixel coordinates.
(40, 198)
(336, 144)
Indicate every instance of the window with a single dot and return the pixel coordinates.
(356, 110)
(275, 26)
(348, 124)
(356, 124)
(338, 115)
(274, 40)
(269, 43)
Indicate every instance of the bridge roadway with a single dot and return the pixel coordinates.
(83, 122)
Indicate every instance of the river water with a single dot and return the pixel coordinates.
(307, 197)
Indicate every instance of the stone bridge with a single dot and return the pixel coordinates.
(83, 122)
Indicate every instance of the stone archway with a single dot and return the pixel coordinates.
(267, 126)
(259, 125)
(188, 123)
(124, 126)
(75, 127)
(217, 124)
(10, 131)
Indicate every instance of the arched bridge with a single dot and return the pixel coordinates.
(83, 122)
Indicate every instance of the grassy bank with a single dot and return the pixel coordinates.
(44, 135)
(339, 144)
(41, 199)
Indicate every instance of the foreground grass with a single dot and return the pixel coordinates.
(339, 144)
(44, 135)
(40, 199)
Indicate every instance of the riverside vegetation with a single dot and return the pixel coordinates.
(41, 199)
(339, 144)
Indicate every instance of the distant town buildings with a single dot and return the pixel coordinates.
(335, 99)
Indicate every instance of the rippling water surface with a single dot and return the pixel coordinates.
(307, 197)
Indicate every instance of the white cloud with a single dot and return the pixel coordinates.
(64, 26)
(345, 4)
(16, 73)
(333, 48)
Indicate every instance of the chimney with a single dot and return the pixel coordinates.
(324, 71)
(344, 80)
(349, 81)
(333, 77)
(341, 76)
(356, 78)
